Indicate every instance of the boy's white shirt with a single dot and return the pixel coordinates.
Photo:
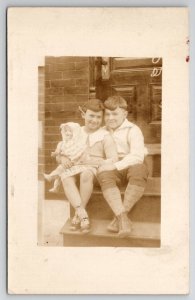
(130, 145)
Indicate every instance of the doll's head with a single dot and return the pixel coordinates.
(69, 130)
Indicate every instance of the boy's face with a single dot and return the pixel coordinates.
(114, 118)
(93, 120)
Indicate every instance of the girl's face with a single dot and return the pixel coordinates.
(67, 133)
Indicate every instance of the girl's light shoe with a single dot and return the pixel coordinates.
(84, 220)
(75, 223)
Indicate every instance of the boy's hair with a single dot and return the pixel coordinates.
(94, 105)
(115, 101)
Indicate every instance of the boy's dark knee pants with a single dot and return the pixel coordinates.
(107, 179)
(137, 175)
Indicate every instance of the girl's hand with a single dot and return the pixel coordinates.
(106, 167)
(67, 163)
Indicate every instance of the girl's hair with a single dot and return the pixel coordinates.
(115, 101)
(93, 104)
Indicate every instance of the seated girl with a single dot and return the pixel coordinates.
(76, 148)
(100, 149)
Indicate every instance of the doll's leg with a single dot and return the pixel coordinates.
(57, 172)
(56, 185)
(52, 176)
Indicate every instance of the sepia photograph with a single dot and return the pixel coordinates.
(100, 151)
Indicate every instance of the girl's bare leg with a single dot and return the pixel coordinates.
(73, 195)
(86, 186)
(71, 191)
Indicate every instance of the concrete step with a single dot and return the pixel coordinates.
(142, 235)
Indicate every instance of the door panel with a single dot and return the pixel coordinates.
(129, 94)
(133, 79)
(139, 81)
(155, 103)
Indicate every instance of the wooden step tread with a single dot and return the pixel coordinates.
(150, 231)
(153, 187)
(153, 149)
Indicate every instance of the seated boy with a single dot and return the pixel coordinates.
(131, 151)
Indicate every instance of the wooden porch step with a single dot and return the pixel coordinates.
(153, 159)
(154, 149)
(147, 209)
(153, 189)
(143, 235)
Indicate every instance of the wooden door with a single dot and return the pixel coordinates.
(139, 81)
